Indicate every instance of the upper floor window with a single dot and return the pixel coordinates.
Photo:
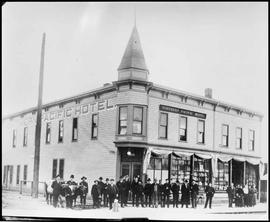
(122, 130)
(14, 138)
(75, 129)
(251, 142)
(48, 133)
(239, 138)
(25, 135)
(201, 131)
(183, 129)
(61, 131)
(137, 120)
(94, 126)
(24, 174)
(58, 168)
(163, 125)
(225, 135)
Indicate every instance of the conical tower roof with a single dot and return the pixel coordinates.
(133, 56)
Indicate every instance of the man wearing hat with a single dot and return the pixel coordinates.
(56, 185)
(167, 192)
(101, 188)
(85, 192)
(105, 193)
(194, 190)
(95, 192)
(69, 198)
(140, 194)
(148, 191)
(113, 192)
(134, 190)
(121, 188)
(185, 191)
(175, 191)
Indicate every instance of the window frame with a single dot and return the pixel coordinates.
(166, 126)
(59, 131)
(18, 174)
(48, 132)
(253, 140)
(14, 138)
(227, 136)
(119, 120)
(203, 121)
(239, 138)
(93, 127)
(140, 121)
(25, 173)
(186, 119)
(73, 129)
(25, 136)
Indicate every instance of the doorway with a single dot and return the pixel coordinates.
(131, 169)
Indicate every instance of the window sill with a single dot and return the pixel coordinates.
(47, 143)
(223, 146)
(94, 138)
(74, 141)
(182, 141)
(200, 143)
(161, 138)
(60, 142)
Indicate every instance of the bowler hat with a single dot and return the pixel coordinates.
(83, 178)
(107, 179)
(148, 179)
(100, 178)
(71, 176)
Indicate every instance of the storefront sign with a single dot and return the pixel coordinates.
(78, 110)
(182, 111)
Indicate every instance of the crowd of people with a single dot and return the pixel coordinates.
(152, 194)
(242, 196)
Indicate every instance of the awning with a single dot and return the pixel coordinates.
(224, 158)
(204, 156)
(161, 153)
(240, 159)
(253, 161)
(179, 154)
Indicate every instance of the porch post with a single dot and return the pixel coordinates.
(244, 174)
(230, 179)
(191, 167)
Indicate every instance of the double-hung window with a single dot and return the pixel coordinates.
(183, 129)
(123, 111)
(137, 120)
(201, 131)
(48, 133)
(225, 135)
(94, 126)
(239, 138)
(251, 142)
(163, 125)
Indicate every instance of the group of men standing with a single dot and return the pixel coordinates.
(150, 194)
(242, 196)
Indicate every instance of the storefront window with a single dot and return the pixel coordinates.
(222, 178)
(201, 172)
(180, 168)
(251, 175)
(158, 169)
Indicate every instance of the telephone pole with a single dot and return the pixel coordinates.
(38, 122)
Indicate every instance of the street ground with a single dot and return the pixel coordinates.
(16, 205)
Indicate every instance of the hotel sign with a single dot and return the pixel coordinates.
(182, 111)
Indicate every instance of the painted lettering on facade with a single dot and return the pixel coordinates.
(182, 111)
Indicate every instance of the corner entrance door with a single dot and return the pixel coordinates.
(131, 169)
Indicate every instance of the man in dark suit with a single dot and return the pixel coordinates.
(57, 188)
(134, 190)
(127, 188)
(167, 192)
(101, 188)
(105, 193)
(175, 191)
(140, 194)
(231, 191)
(84, 194)
(148, 191)
(185, 191)
(121, 189)
(210, 191)
(112, 192)
(194, 190)
(95, 192)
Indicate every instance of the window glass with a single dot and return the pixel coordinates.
(14, 138)
(25, 133)
(54, 168)
(18, 174)
(123, 120)
(137, 127)
(123, 113)
(75, 129)
(61, 168)
(138, 111)
(48, 133)
(162, 132)
(163, 119)
(61, 131)
(94, 125)
(25, 174)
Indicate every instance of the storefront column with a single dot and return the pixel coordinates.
(244, 174)
(169, 166)
(191, 168)
(230, 179)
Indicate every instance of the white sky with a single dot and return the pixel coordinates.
(187, 46)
